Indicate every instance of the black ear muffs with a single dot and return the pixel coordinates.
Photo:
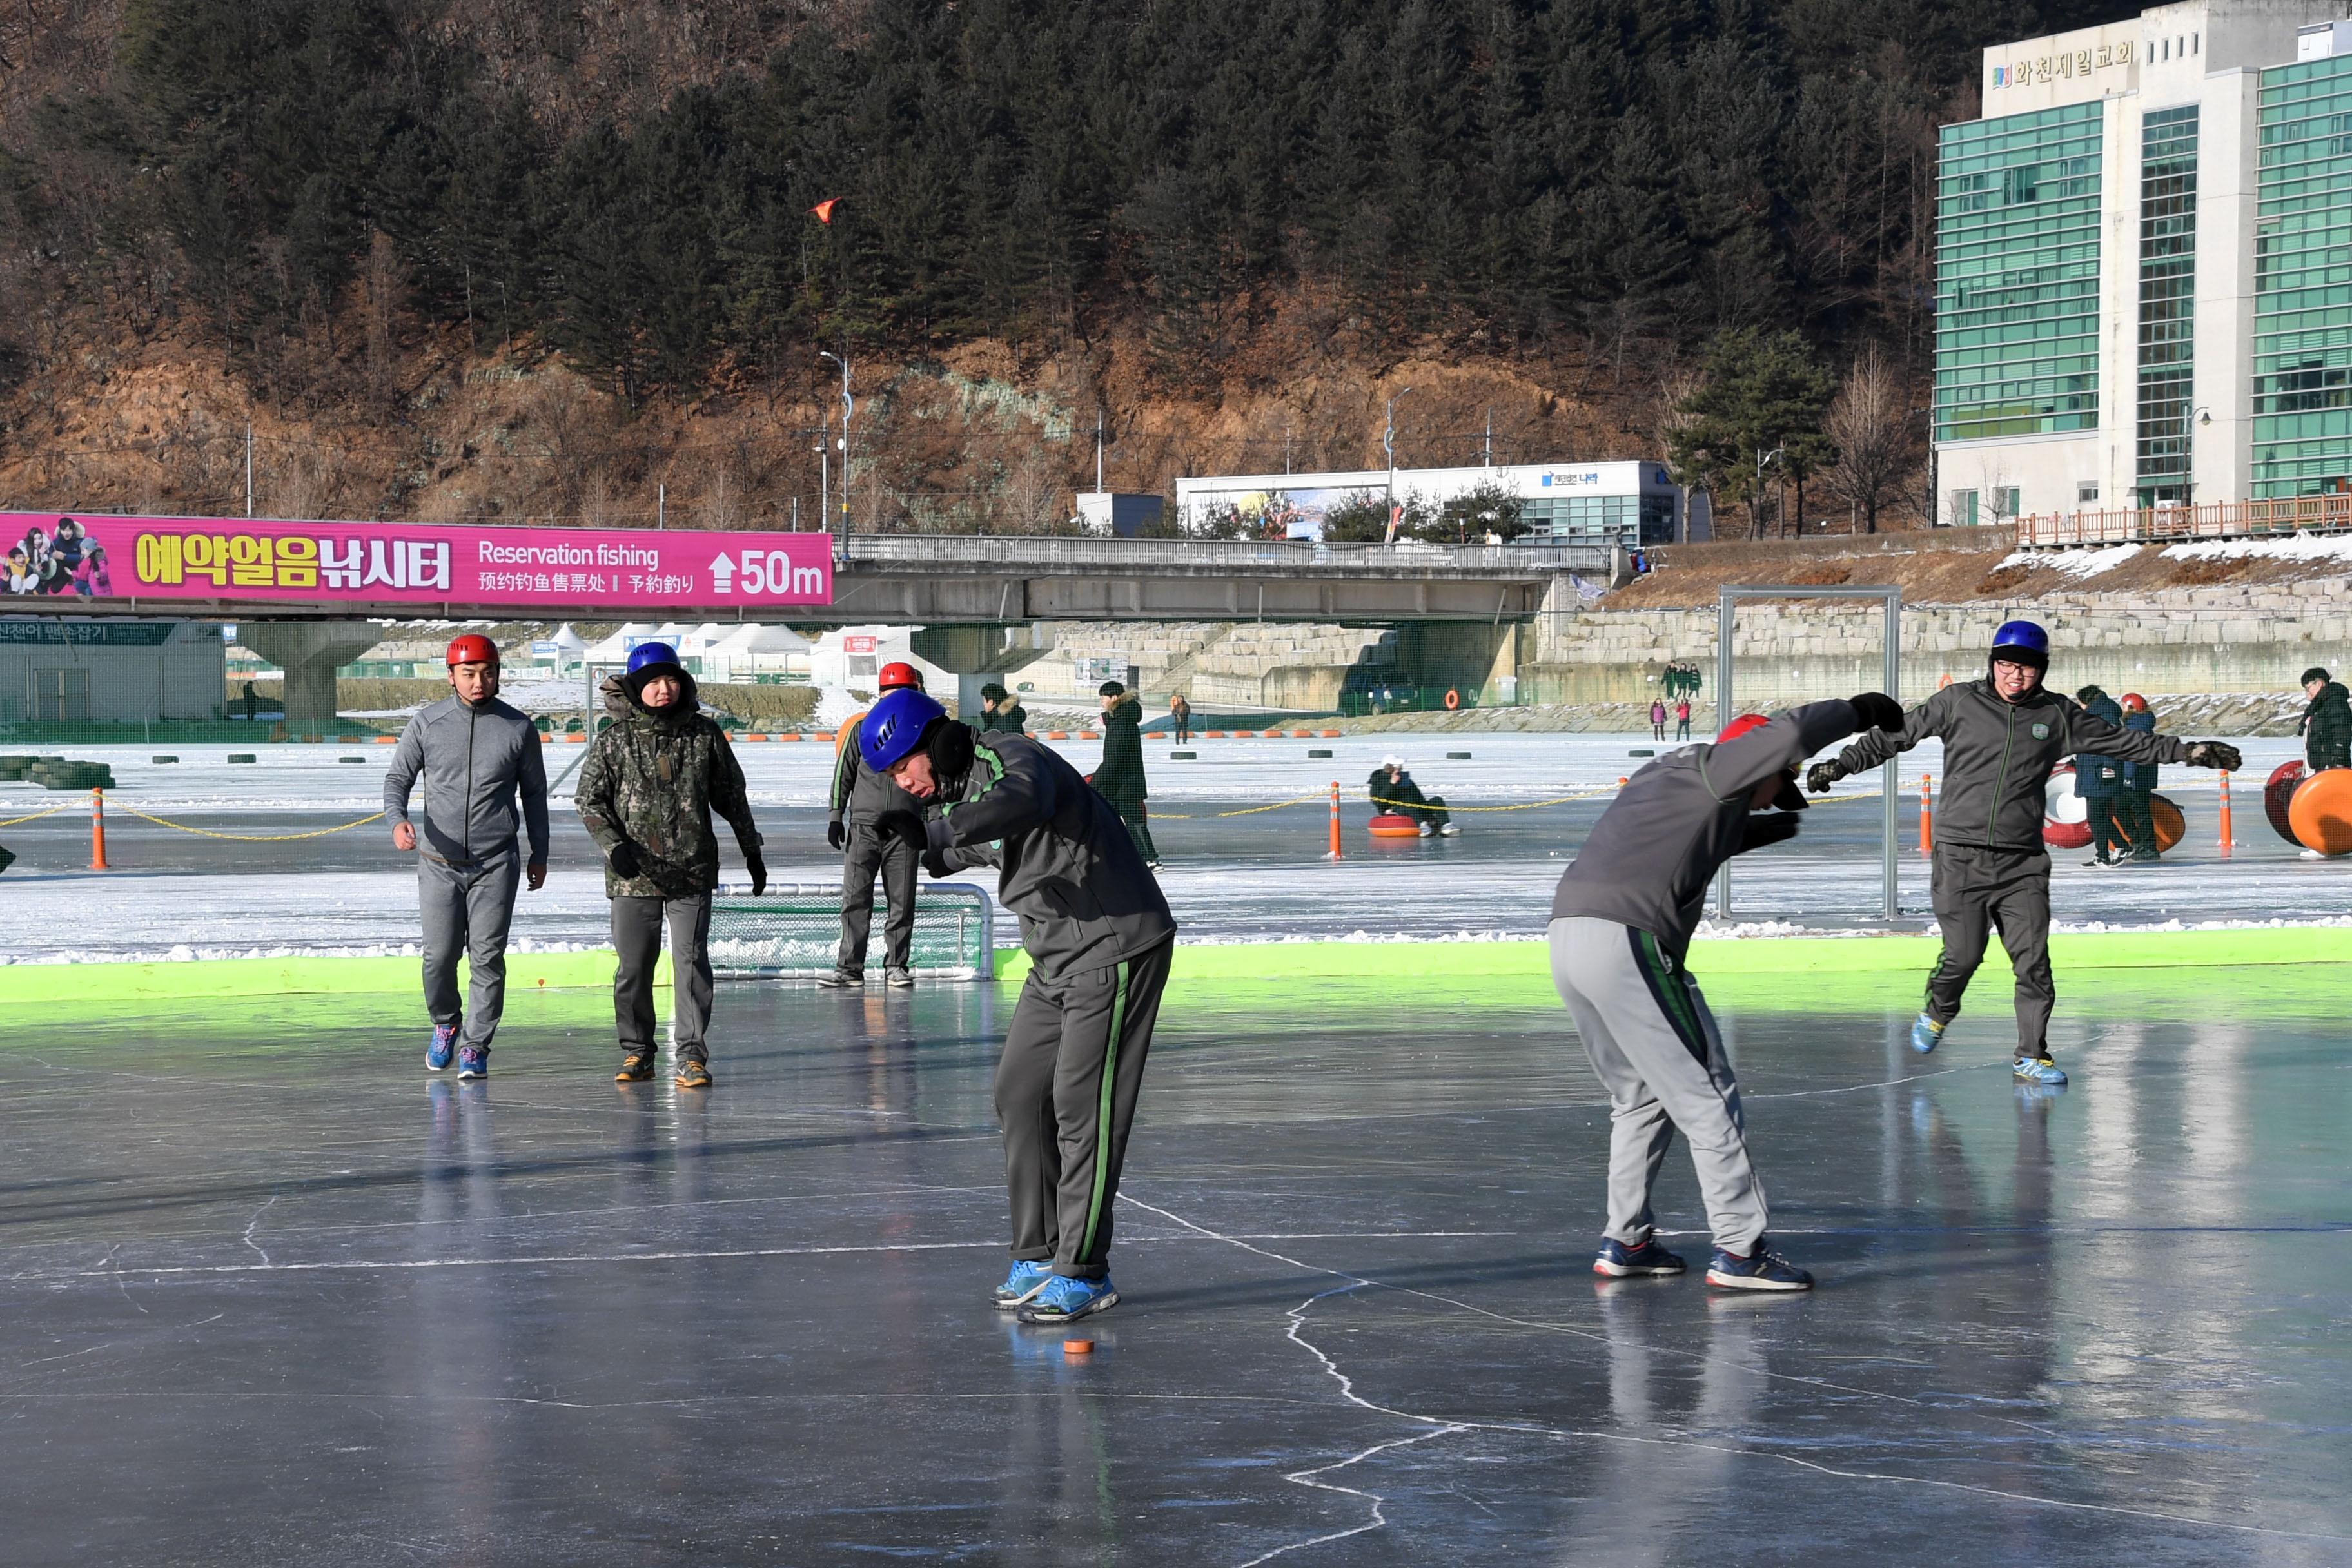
(949, 745)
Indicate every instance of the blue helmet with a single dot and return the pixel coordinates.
(2021, 642)
(647, 653)
(894, 726)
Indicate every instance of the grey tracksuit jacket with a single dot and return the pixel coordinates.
(1648, 860)
(474, 762)
(860, 793)
(1999, 755)
(1069, 870)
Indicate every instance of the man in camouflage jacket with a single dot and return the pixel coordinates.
(652, 779)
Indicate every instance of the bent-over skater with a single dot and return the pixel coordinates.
(476, 755)
(1099, 937)
(2002, 736)
(1620, 925)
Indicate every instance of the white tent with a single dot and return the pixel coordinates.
(757, 649)
(616, 648)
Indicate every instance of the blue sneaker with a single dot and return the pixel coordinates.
(445, 1043)
(473, 1061)
(1925, 1034)
(1025, 1280)
(1762, 1270)
(1065, 1300)
(1617, 1261)
(2037, 1069)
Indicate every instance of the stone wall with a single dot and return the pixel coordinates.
(2180, 641)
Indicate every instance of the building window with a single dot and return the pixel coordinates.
(2168, 301)
(1632, 522)
(2004, 504)
(2303, 306)
(2086, 491)
(2017, 275)
(1964, 508)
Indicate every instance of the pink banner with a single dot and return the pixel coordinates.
(241, 560)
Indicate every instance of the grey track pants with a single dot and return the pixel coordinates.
(637, 936)
(867, 852)
(1066, 1090)
(466, 910)
(1655, 1048)
(1974, 892)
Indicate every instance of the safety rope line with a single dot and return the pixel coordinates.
(35, 816)
(1321, 794)
(247, 837)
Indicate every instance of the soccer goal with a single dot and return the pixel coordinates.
(1727, 603)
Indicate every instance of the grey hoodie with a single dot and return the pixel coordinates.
(1069, 868)
(1647, 862)
(1998, 756)
(474, 762)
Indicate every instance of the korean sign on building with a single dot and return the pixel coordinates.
(629, 570)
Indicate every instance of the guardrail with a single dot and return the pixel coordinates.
(2173, 524)
(961, 552)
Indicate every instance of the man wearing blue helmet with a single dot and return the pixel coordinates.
(2003, 736)
(1099, 937)
(651, 780)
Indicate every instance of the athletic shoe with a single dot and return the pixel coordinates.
(841, 980)
(637, 1066)
(444, 1046)
(2099, 860)
(473, 1061)
(1449, 830)
(899, 979)
(1762, 1270)
(1925, 1034)
(2037, 1069)
(1427, 831)
(1065, 1300)
(692, 1073)
(1617, 1261)
(1025, 1280)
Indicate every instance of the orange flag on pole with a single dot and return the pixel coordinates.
(824, 209)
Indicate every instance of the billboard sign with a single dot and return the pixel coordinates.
(209, 558)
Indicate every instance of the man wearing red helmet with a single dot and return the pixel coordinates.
(1621, 924)
(860, 795)
(476, 755)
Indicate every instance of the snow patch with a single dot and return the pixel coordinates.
(2298, 547)
(2075, 563)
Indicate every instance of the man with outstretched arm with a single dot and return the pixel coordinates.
(1621, 926)
(2003, 736)
(1099, 938)
(476, 755)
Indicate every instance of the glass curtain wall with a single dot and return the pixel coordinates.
(2303, 282)
(2168, 301)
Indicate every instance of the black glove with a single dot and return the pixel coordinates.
(935, 862)
(1878, 711)
(835, 835)
(624, 860)
(2215, 755)
(904, 825)
(758, 869)
(1822, 775)
(1764, 828)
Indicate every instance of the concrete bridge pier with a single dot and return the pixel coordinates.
(978, 653)
(309, 652)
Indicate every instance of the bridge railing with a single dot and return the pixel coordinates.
(953, 550)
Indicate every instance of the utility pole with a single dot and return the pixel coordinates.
(1490, 434)
(1388, 449)
(1756, 496)
(1098, 450)
(849, 405)
(249, 468)
(661, 505)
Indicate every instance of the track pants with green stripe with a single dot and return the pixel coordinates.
(1066, 1090)
(1655, 1048)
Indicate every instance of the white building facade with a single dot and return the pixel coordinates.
(2144, 267)
(1631, 504)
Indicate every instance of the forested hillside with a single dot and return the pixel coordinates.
(517, 257)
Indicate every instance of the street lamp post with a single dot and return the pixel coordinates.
(1388, 449)
(849, 405)
(1757, 495)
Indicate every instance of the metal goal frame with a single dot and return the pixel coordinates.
(1728, 601)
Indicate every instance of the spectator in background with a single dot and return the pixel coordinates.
(2326, 726)
(1181, 712)
(1657, 719)
(860, 797)
(2099, 781)
(2137, 801)
(1000, 713)
(1119, 778)
(1681, 720)
(1393, 790)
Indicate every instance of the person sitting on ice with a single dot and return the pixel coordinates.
(2003, 737)
(1621, 926)
(2326, 725)
(1393, 790)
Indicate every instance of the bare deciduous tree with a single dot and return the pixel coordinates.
(1876, 436)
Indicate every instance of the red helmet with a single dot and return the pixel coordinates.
(2134, 703)
(1740, 726)
(472, 648)
(894, 674)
